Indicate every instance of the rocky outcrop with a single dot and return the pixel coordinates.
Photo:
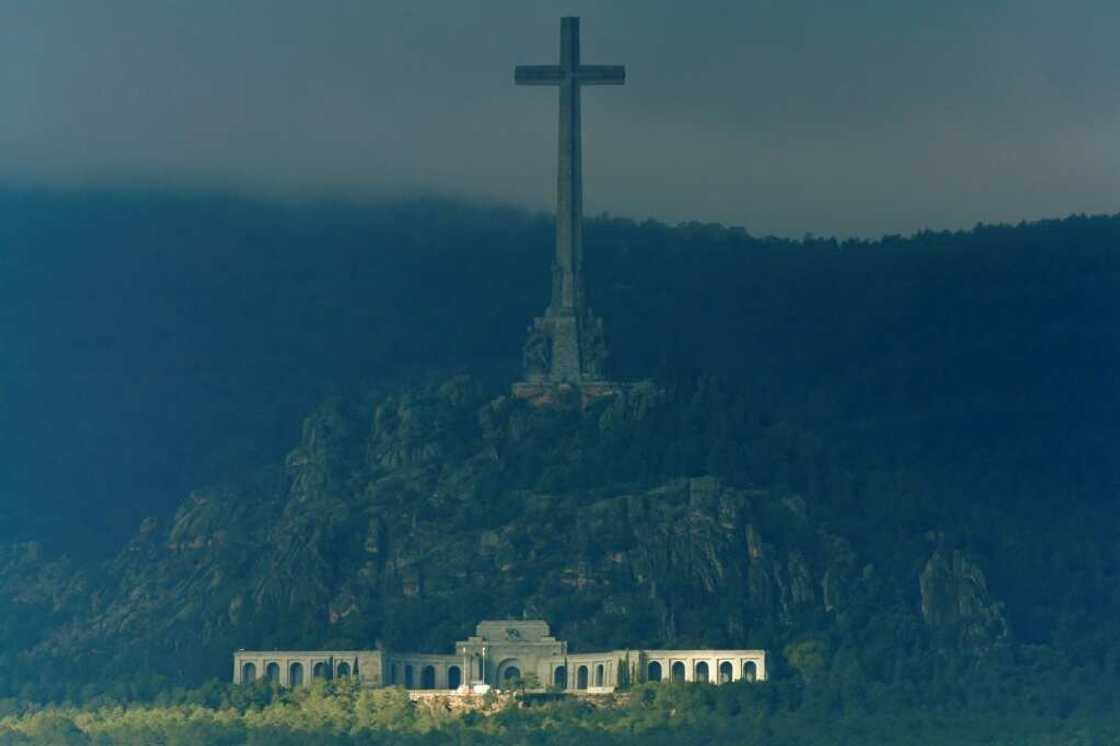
(407, 520)
(956, 604)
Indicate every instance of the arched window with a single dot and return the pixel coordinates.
(653, 671)
(248, 673)
(726, 672)
(581, 677)
(272, 672)
(750, 671)
(701, 672)
(319, 670)
(295, 675)
(560, 677)
(599, 675)
(678, 671)
(343, 670)
(454, 677)
(511, 674)
(408, 682)
(428, 677)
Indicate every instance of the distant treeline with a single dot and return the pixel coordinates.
(666, 715)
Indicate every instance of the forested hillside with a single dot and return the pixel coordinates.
(156, 342)
(229, 423)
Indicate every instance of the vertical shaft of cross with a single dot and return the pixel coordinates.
(567, 279)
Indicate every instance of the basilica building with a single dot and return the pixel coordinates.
(502, 654)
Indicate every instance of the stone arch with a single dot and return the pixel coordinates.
(701, 671)
(272, 672)
(408, 677)
(581, 677)
(454, 677)
(428, 677)
(600, 674)
(653, 671)
(319, 671)
(295, 674)
(509, 671)
(750, 671)
(726, 672)
(343, 670)
(560, 677)
(677, 670)
(248, 673)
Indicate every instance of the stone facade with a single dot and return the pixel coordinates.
(501, 653)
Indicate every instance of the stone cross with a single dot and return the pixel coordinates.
(574, 345)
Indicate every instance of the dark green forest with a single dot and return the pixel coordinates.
(234, 423)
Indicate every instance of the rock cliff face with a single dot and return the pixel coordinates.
(404, 519)
(956, 604)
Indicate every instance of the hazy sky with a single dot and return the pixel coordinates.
(784, 116)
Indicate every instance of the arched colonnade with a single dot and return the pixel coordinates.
(295, 671)
(715, 667)
(424, 673)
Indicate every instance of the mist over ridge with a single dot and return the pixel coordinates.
(784, 117)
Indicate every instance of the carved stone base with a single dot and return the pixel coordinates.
(547, 394)
(565, 348)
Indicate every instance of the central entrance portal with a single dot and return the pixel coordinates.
(509, 671)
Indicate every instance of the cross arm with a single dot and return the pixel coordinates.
(601, 74)
(538, 75)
